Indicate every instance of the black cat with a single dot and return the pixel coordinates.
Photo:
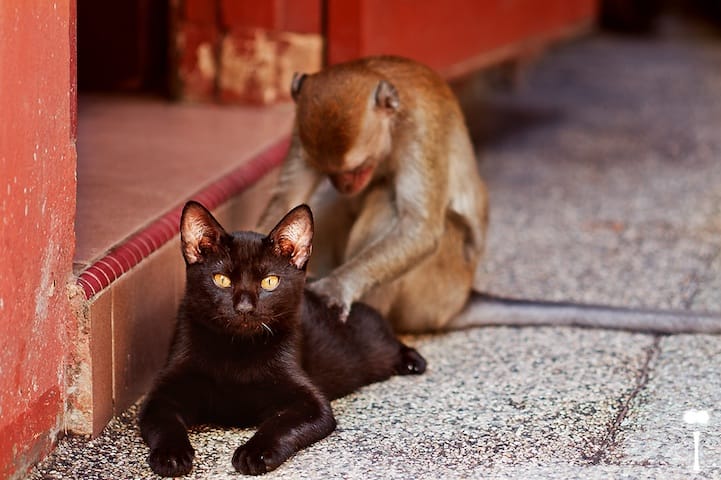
(253, 347)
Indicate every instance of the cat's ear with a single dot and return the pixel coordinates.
(293, 236)
(296, 84)
(200, 233)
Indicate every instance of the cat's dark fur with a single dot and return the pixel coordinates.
(245, 356)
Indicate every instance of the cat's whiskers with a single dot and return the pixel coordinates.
(282, 315)
(265, 325)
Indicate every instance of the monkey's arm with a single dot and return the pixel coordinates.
(296, 184)
(410, 219)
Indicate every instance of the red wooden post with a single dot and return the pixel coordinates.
(37, 211)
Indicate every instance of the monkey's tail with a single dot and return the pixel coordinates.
(489, 310)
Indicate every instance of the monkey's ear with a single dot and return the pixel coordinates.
(386, 96)
(200, 233)
(293, 236)
(295, 85)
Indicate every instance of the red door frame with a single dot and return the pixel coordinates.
(37, 212)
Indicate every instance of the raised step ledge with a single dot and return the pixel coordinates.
(132, 251)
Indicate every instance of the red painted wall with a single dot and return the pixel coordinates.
(37, 209)
(444, 33)
(299, 16)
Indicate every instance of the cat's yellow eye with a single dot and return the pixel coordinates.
(221, 280)
(270, 283)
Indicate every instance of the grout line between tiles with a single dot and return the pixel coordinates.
(609, 440)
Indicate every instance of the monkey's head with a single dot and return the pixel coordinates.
(344, 117)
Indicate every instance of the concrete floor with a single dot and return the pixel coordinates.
(606, 187)
(606, 183)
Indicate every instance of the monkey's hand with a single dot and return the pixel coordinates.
(334, 295)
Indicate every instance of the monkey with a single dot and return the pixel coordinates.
(409, 213)
(381, 152)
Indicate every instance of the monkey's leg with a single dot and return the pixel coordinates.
(430, 293)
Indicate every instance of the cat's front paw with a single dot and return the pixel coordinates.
(256, 460)
(172, 460)
(331, 291)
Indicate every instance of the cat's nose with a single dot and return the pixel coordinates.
(244, 304)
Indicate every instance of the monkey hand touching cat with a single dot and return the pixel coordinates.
(335, 296)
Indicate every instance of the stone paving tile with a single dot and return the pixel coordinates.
(686, 375)
(607, 188)
(493, 401)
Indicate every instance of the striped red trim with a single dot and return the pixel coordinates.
(129, 253)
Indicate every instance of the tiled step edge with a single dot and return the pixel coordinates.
(121, 258)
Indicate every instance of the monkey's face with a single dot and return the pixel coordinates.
(350, 182)
(344, 124)
(354, 169)
(351, 171)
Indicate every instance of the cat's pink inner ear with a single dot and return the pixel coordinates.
(304, 246)
(293, 238)
(284, 247)
(191, 236)
(199, 232)
(298, 252)
(191, 254)
(301, 255)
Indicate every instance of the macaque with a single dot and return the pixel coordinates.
(405, 227)
(401, 219)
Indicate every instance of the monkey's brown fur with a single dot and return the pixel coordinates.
(408, 230)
